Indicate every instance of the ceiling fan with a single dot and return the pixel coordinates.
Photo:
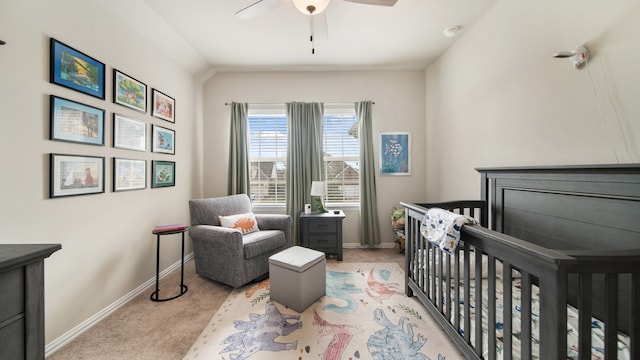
(312, 8)
(307, 7)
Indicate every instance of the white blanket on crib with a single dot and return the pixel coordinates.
(442, 227)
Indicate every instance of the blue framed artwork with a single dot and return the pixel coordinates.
(74, 70)
(75, 122)
(129, 92)
(163, 140)
(395, 153)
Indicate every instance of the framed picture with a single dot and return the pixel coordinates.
(129, 174)
(75, 175)
(164, 106)
(77, 71)
(129, 134)
(163, 140)
(129, 92)
(163, 173)
(75, 122)
(395, 153)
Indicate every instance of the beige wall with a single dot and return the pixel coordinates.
(107, 246)
(498, 98)
(398, 97)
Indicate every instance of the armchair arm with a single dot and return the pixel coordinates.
(275, 222)
(217, 237)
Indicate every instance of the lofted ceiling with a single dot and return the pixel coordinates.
(348, 35)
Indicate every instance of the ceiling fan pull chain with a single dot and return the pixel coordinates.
(313, 44)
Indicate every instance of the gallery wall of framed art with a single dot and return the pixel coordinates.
(141, 120)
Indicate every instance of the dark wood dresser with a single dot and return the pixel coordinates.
(322, 232)
(22, 299)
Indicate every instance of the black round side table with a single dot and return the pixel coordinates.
(155, 296)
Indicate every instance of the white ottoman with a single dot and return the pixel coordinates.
(297, 277)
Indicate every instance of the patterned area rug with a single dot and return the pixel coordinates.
(364, 315)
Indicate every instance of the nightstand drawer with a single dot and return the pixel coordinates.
(327, 226)
(322, 241)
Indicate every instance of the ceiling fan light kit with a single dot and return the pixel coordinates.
(311, 7)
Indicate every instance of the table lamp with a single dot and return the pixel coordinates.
(318, 190)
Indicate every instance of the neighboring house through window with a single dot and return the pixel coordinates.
(268, 149)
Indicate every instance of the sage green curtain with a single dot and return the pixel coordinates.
(304, 157)
(369, 226)
(238, 182)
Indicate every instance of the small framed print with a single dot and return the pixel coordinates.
(129, 174)
(395, 153)
(74, 70)
(129, 134)
(163, 140)
(129, 92)
(75, 122)
(163, 173)
(164, 106)
(75, 175)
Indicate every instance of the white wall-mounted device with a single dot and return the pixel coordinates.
(579, 56)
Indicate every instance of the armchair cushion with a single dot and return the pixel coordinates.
(261, 242)
(246, 223)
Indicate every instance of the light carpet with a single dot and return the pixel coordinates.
(364, 315)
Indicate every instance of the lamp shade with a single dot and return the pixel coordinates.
(311, 7)
(318, 188)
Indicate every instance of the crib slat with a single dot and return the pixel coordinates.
(525, 316)
(479, 301)
(611, 317)
(634, 335)
(467, 296)
(446, 286)
(424, 264)
(507, 315)
(432, 271)
(438, 280)
(456, 307)
(584, 317)
(491, 315)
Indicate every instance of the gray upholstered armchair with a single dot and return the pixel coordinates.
(226, 254)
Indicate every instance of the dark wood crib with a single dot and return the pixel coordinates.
(567, 237)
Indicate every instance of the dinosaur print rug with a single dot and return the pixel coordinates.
(364, 315)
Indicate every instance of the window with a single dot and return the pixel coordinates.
(267, 155)
(341, 155)
(268, 151)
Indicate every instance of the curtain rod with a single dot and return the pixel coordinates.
(340, 103)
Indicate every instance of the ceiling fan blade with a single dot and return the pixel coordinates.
(258, 8)
(375, 2)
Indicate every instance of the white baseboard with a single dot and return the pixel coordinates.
(67, 337)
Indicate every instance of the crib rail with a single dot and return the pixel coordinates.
(434, 277)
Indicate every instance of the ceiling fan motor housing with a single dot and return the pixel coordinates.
(311, 7)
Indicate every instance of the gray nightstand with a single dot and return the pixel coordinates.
(322, 232)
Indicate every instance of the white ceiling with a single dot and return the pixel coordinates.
(405, 36)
